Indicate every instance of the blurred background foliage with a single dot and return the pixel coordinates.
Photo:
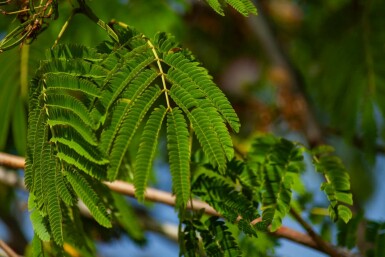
(313, 71)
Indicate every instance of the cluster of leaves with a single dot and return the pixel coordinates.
(263, 181)
(336, 186)
(217, 240)
(86, 105)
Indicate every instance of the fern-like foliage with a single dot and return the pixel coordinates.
(86, 107)
(189, 241)
(245, 7)
(147, 150)
(179, 154)
(216, 239)
(88, 195)
(337, 184)
(273, 164)
(224, 197)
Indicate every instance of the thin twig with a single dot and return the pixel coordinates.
(65, 26)
(156, 195)
(8, 250)
(87, 11)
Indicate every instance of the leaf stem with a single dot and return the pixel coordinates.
(161, 73)
(87, 11)
(65, 26)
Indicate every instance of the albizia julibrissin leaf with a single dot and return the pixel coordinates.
(179, 155)
(147, 150)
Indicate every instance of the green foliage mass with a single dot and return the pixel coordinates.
(88, 107)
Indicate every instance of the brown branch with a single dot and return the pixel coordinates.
(8, 250)
(323, 245)
(12, 161)
(156, 195)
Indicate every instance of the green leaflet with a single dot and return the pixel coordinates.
(337, 185)
(64, 190)
(189, 74)
(70, 104)
(37, 246)
(77, 68)
(216, 6)
(90, 198)
(39, 227)
(220, 129)
(131, 75)
(45, 200)
(53, 199)
(133, 115)
(62, 118)
(201, 124)
(207, 137)
(41, 168)
(65, 83)
(147, 151)
(224, 197)
(117, 114)
(245, 7)
(179, 155)
(82, 149)
(82, 164)
(274, 163)
(72, 51)
(36, 139)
